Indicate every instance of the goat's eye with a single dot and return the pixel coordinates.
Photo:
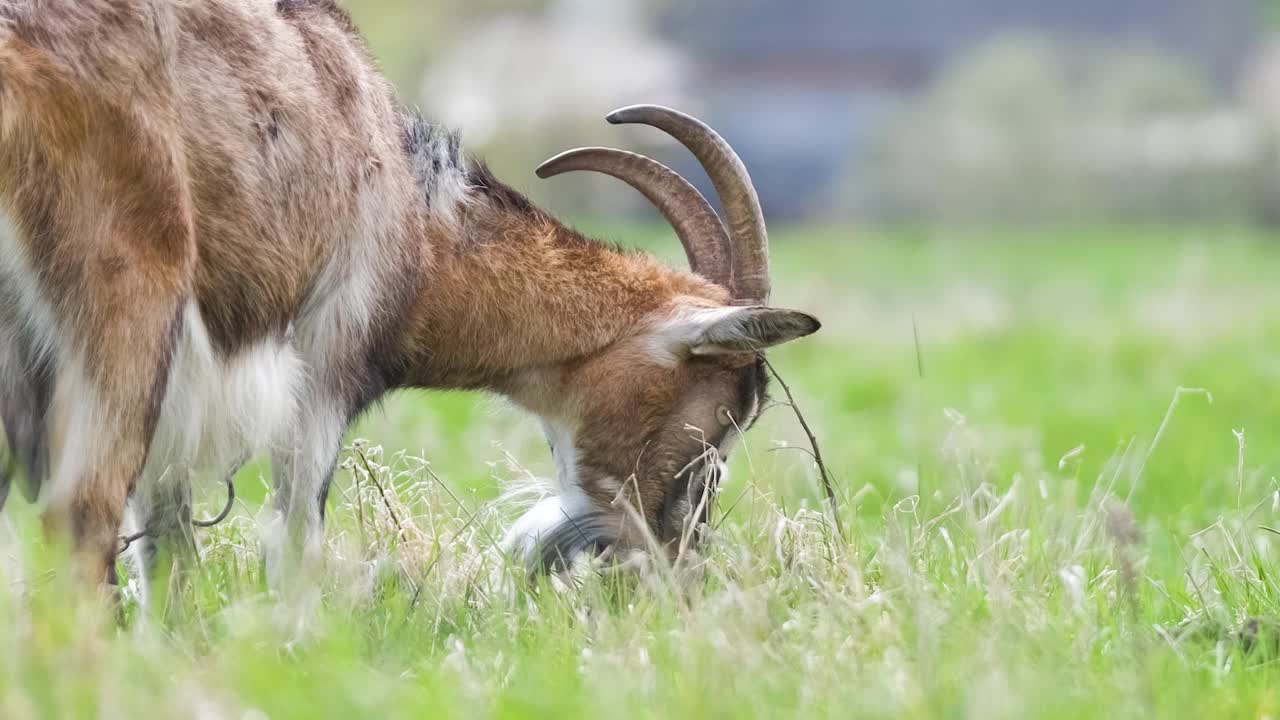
(723, 415)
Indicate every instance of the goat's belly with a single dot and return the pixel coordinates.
(28, 344)
(218, 412)
(28, 332)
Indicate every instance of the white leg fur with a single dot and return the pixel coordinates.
(294, 540)
(163, 508)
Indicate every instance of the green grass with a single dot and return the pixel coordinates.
(1017, 547)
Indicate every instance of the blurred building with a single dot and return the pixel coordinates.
(802, 88)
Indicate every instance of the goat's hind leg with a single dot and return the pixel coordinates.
(111, 373)
(95, 181)
(106, 399)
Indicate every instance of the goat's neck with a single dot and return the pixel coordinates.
(510, 290)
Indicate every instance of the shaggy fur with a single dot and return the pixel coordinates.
(231, 238)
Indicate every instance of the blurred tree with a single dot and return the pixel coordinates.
(406, 35)
(526, 84)
(1270, 12)
(399, 33)
(524, 79)
(1260, 97)
(1026, 127)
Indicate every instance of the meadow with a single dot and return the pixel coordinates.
(1055, 452)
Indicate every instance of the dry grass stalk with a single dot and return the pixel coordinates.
(373, 478)
(828, 486)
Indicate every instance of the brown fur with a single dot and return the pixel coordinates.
(156, 153)
(517, 289)
(160, 151)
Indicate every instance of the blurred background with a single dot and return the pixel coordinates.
(1024, 223)
(881, 110)
(1043, 237)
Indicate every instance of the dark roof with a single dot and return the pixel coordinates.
(926, 32)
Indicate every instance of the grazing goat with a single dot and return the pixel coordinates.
(230, 237)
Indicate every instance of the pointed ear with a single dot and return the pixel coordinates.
(750, 329)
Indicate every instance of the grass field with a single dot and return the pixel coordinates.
(1039, 523)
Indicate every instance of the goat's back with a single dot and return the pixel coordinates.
(260, 125)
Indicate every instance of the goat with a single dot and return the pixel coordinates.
(230, 237)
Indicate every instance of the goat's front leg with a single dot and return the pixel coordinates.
(302, 467)
(166, 547)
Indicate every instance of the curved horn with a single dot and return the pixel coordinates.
(696, 224)
(737, 194)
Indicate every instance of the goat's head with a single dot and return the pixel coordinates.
(640, 430)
